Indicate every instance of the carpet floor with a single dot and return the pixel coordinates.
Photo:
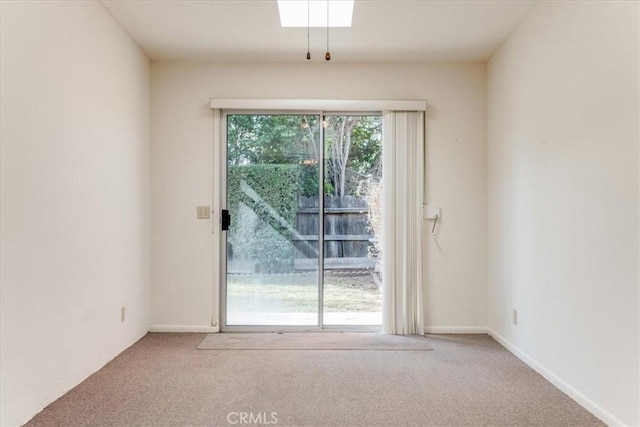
(467, 380)
(314, 341)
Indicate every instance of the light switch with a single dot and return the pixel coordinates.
(204, 212)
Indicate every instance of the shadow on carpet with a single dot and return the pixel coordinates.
(313, 341)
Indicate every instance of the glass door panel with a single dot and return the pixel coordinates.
(352, 220)
(273, 178)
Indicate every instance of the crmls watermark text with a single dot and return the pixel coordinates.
(248, 418)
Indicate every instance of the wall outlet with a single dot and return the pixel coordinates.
(203, 212)
(122, 313)
(515, 316)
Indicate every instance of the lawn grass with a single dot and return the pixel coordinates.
(299, 293)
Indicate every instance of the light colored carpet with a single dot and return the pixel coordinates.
(467, 380)
(313, 341)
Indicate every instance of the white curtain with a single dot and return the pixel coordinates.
(402, 165)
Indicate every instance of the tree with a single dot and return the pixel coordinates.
(271, 139)
(352, 147)
(353, 144)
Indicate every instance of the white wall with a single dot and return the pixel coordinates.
(182, 174)
(75, 198)
(563, 200)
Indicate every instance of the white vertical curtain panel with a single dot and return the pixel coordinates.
(403, 172)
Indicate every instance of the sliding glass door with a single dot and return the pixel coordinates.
(301, 214)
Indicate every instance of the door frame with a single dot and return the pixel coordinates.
(277, 106)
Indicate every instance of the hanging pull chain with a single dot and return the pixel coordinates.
(308, 52)
(327, 55)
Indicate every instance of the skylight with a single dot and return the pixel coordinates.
(293, 13)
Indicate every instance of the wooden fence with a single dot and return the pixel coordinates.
(347, 236)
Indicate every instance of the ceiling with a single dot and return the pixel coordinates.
(382, 30)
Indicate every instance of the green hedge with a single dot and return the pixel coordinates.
(263, 202)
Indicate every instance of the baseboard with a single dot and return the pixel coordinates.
(184, 328)
(455, 330)
(570, 391)
(427, 330)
